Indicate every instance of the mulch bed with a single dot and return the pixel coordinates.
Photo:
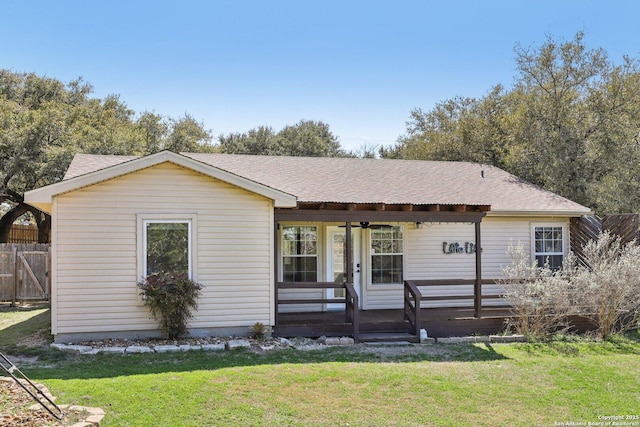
(15, 412)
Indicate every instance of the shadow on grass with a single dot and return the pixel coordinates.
(8, 307)
(19, 333)
(52, 363)
(112, 365)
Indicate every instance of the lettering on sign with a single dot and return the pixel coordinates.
(456, 248)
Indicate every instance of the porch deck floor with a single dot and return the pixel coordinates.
(439, 322)
(388, 316)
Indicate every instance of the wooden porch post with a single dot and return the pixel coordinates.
(348, 255)
(275, 272)
(478, 285)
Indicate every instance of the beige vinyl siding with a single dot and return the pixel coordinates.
(96, 250)
(424, 258)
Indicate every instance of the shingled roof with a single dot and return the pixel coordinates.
(350, 180)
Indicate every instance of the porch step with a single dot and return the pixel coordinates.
(387, 337)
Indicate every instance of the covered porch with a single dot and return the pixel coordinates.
(457, 305)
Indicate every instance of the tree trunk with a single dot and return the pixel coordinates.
(7, 220)
(43, 221)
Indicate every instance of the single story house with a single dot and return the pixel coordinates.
(304, 245)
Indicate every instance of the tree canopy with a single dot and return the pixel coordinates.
(44, 122)
(570, 123)
(306, 138)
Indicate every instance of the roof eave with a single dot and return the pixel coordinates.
(42, 198)
(541, 213)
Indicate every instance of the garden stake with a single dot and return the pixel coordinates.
(24, 382)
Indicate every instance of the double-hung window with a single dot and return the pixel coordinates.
(548, 245)
(300, 253)
(166, 244)
(387, 255)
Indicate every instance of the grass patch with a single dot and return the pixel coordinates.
(25, 331)
(526, 384)
(18, 323)
(505, 385)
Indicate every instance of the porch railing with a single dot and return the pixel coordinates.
(413, 298)
(350, 300)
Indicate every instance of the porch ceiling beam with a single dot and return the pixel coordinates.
(402, 207)
(373, 216)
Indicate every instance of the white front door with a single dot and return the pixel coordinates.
(337, 263)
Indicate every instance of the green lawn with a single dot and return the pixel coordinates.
(443, 385)
(17, 323)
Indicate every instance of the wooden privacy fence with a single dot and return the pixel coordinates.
(21, 233)
(588, 227)
(24, 272)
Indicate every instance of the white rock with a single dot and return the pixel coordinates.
(72, 348)
(238, 344)
(332, 341)
(460, 340)
(119, 350)
(346, 341)
(165, 348)
(285, 341)
(189, 347)
(213, 347)
(138, 349)
(507, 338)
(451, 340)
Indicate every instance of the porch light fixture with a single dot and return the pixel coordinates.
(419, 225)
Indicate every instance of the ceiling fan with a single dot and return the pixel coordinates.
(366, 224)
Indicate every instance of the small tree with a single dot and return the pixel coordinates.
(609, 284)
(541, 299)
(171, 297)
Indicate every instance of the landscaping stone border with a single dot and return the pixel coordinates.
(140, 347)
(162, 348)
(95, 415)
(482, 339)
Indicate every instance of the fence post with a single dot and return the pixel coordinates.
(47, 274)
(15, 277)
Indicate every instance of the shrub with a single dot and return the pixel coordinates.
(541, 299)
(171, 297)
(609, 284)
(259, 330)
(605, 289)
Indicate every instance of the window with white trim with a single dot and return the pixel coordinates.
(299, 253)
(166, 246)
(387, 255)
(548, 245)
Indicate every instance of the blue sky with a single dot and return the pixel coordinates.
(360, 66)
